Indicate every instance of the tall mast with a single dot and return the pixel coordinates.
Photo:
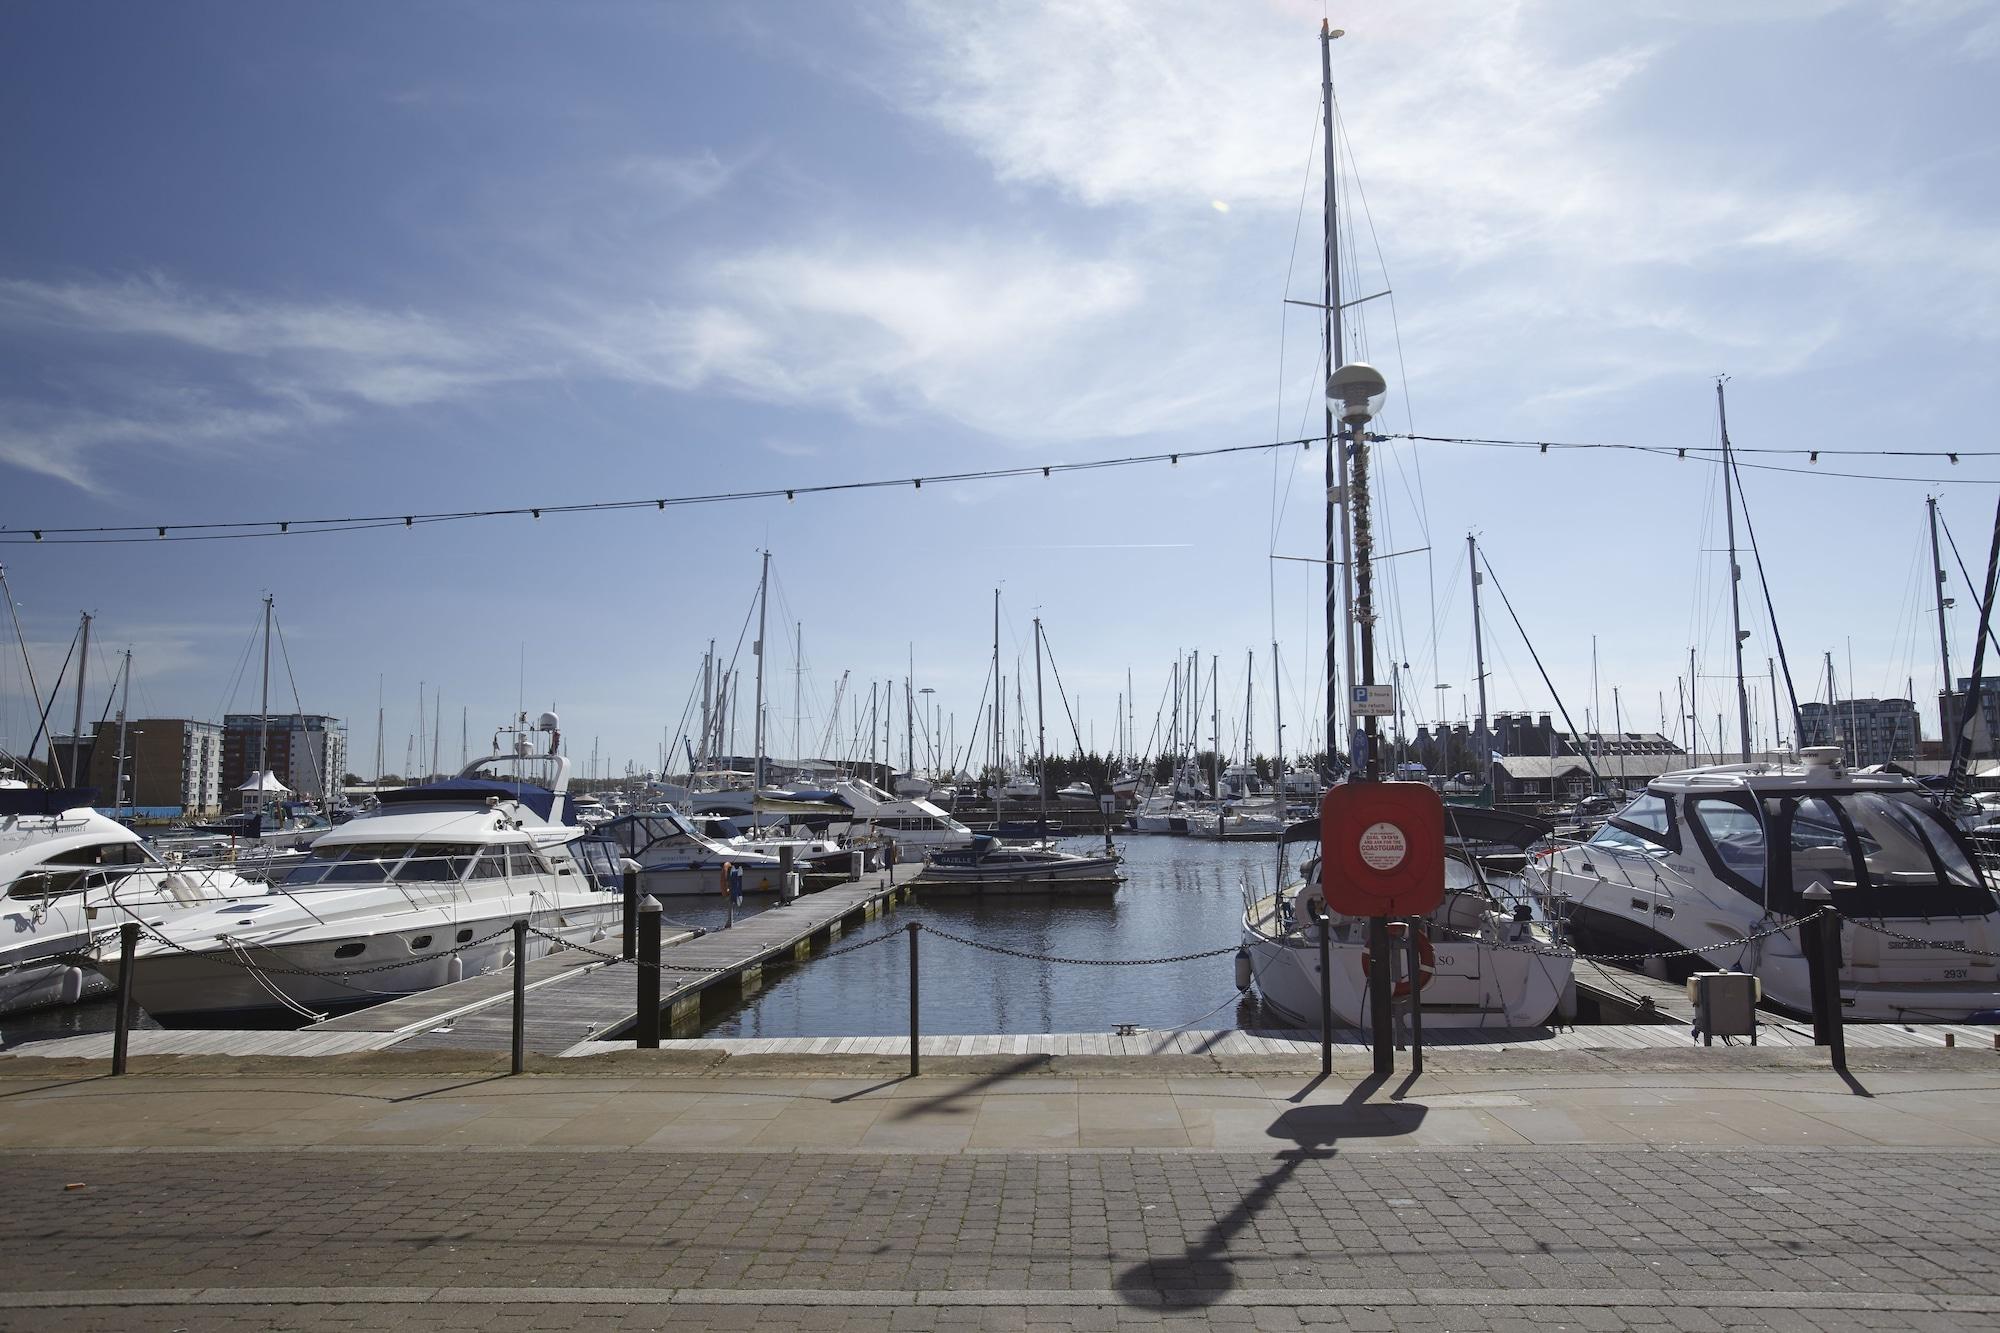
(1041, 735)
(999, 695)
(264, 711)
(798, 677)
(757, 718)
(378, 729)
(1278, 723)
(1339, 571)
(124, 713)
(910, 715)
(1735, 578)
(1478, 637)
(1249, 686)
(1194, 713)
(76, 775)
(1944, 644)
(1215, 729)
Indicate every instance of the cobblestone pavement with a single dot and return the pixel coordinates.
(1450, 1239)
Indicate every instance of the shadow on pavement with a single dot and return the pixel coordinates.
(947, 1101)
(1202, 1275)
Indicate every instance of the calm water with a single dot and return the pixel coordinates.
(1180, 896)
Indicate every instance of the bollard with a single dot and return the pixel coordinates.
(628, 880)
(1950, 1040)
(128, 948)
(1836, 1024)
(520, 995)
(915, 1027)
(1325, 992)
(1415, 971)
(1814, 950)
(649, 974)
(787, 856)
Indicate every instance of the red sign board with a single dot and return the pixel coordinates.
(1382, 849)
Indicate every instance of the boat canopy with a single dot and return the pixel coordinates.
(44, 800)
(475, 791)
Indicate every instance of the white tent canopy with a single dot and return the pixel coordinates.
(266, 783)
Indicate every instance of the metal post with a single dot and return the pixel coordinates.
(915, 1028)
(629, 885)
(787, 855)
(1379, 999)
(1836, 1028)
(1416, 964)
(520, 995)
(649, 974)
(128, 948)
(1325, 993)
(1814, 950)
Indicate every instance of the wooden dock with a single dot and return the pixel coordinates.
(579, 998)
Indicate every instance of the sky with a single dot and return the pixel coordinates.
(288, 262)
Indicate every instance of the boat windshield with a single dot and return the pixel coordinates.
(383, 863)
(536, 770)
(1878, 853)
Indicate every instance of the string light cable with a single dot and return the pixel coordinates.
(21, 535)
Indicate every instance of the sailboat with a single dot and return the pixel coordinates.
(990, 863)
(1490, 960)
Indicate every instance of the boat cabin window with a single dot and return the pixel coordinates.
(1732, 838)
(527, 861)
(1646, 825)
(436, 863)
(492, 864)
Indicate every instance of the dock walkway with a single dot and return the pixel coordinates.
(581, 997)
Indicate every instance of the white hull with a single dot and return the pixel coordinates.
(311, 975)
(1518, 985)
(705, 882)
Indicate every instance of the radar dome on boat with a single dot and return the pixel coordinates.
(547, 722)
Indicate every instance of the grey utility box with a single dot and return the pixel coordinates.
(1725, 1005)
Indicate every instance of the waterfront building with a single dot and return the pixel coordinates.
(307, 751)
(1869, 731)
(172, 768)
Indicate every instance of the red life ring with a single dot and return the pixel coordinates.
(1426, 958)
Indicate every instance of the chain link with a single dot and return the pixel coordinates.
(1075, 962)
(1918, 939)
(1538, 951)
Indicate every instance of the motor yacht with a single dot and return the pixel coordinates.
(990, 865)
(419, 894)
(677, 860)
(1709, 858)
(1238, 821)
(59, 862)
(1493, 960)
(916, 826)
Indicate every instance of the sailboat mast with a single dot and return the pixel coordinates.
(124, 714)
(910, 715)
(1735, 577)
(1041, 735)
(1338, 570)
(999, 696)
(1944, 644)
(798, 677)
(1249, 687)
(757, 717)
(1478, 634)
(1215, 729)
(1278, 722)
(264, 711)
(76, 775)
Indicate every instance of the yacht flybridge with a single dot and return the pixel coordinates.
(416, 895)
(1711, 857)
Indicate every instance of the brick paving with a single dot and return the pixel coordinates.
(1156, 1236)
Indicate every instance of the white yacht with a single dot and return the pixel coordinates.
(1493, 962)
(917, 827)
(990, 865)
(417, 895)
(1260, 820)
(676, 859)
(60, 863)
(1710, 857)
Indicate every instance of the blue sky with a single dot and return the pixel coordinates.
(294, 261)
